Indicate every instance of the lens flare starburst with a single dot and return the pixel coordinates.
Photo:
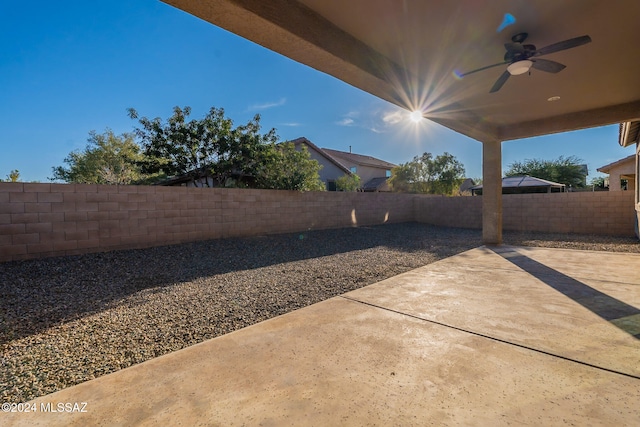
(416, 116)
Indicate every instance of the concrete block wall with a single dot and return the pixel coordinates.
(464, 212)
(601, 212)
(41, 220)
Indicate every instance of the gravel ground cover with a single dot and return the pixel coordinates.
(67, 320)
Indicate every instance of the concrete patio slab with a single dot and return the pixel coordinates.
(452, 343)
(550, 300)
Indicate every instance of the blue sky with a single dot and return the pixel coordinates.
(67, 68)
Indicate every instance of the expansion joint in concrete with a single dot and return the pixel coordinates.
(479, 334)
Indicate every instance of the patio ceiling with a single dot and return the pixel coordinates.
(406, 52)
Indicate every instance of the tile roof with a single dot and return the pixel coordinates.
(359, 159)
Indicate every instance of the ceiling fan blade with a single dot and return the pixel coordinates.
(567, 44)
(501, 81)
(548, 66)
(483, 68)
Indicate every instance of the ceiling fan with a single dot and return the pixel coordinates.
(522, 57)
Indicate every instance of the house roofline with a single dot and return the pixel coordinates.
(360, 159)
(606, 168)
(303, 140)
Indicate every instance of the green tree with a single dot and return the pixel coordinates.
(209, 146)
(348, 182)
(282, 167)
(180, 147)
(403, 177)
(233, 157)
(246, 157)
(442, 174)
(564, 170)
(107, 159)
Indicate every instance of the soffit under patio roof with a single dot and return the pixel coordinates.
(406, 52)
(629, 133)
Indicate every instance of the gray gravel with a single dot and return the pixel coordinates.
(70, 319)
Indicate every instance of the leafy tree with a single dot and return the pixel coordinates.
(180, 147)
(348, 182)
(283, 167)
(233, 157)
(206, 147)
(564, 170)
(442, 174)
(107, 159)
(249, 155)
(403, 177)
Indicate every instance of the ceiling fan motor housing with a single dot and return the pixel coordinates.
(518, 52)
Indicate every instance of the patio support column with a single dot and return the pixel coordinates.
(492, 192)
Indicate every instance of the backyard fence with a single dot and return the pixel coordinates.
(41, 220)
(603, 212)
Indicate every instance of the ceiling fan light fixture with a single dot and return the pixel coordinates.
(519, 67)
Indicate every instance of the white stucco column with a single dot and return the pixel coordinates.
(492, 192)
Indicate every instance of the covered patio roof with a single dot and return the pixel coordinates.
(409, 52)
(419, 55)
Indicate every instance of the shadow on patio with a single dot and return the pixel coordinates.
(617, 312)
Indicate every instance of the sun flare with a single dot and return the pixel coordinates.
(416, 116)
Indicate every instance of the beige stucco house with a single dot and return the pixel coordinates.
(373, 172)
(331, 168)
(622, 174)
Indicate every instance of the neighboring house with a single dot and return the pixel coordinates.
(366, 167)
(622, 174)
(373, 173)
(524, 184)
(629, 135)
(331, 168)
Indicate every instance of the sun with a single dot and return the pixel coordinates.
(416, 116)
